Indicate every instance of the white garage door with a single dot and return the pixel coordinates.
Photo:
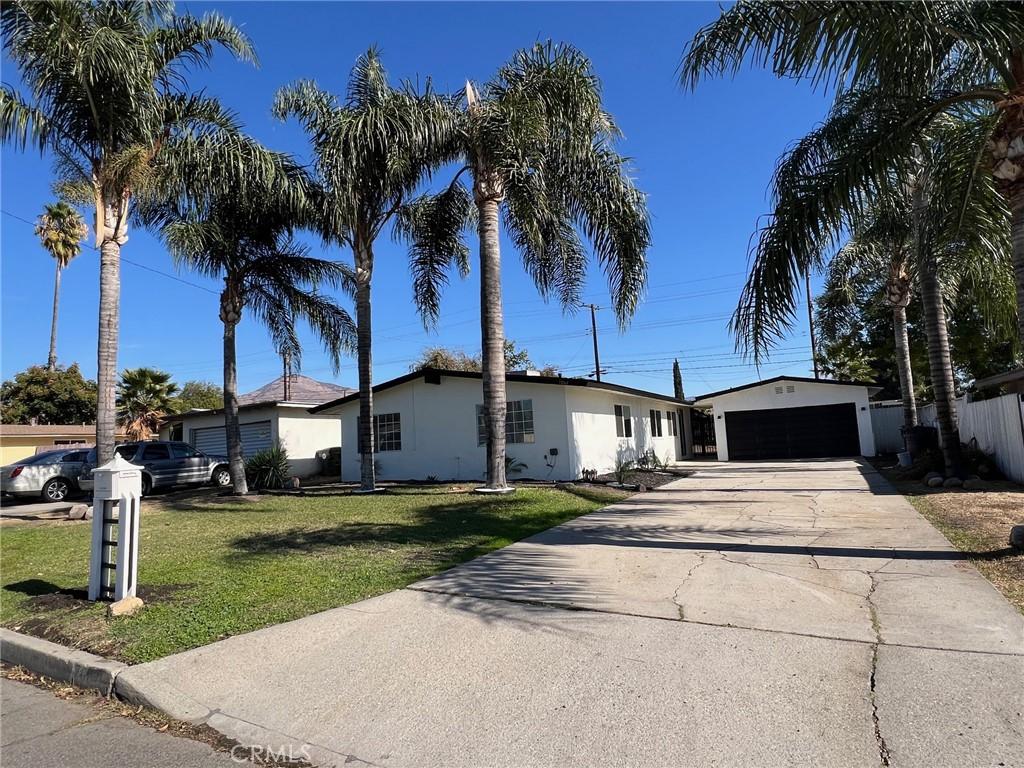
(211, 440)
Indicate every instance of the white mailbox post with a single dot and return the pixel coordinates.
(117, 490)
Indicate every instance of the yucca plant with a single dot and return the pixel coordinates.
(268, 469)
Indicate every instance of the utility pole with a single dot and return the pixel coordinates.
(810, 323)
(593, 331)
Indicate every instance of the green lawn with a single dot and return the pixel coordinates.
(211, 567)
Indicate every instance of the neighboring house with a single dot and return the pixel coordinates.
(429, 424)
(790, 417)
(19, 441)
(267, 415)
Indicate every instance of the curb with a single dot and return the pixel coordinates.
(60, 663)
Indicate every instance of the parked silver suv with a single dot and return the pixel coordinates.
(165, 463)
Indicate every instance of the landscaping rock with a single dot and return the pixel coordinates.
(928, 476)
(127, 606)
(933, 482)
(78, 511)
(1017, 537)
(952, 482)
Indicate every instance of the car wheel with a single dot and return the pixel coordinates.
(221, 477)
(147, 485)
(56, 489)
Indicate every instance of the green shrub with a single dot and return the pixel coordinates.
(268, 468)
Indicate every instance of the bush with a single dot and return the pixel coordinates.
(268, 468)
(624, 468)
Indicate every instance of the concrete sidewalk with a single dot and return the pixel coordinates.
(753, 614)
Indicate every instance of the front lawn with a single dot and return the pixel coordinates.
(210, 567)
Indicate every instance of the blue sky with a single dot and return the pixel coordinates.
(705, 160)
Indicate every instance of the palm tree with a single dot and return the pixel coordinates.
(540, 151)
(923, 60)
(372, 152)
(106, 96)
(844, 176)
(61, 231)
(246, 240)
(144, 396)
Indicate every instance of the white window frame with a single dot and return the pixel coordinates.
(671, 423)
(520, 428)
(623, 421)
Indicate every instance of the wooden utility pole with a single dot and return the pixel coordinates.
(593, 331)
(810, 323)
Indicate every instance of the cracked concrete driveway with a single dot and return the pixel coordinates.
(789, 613)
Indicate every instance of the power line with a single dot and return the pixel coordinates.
(129, 261)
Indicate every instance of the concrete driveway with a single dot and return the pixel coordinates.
(765, 614)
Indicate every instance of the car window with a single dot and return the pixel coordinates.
(50, 457)
(153, 452)
(75, 456)
(183, 451)
(126, 452)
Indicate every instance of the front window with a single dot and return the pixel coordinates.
(518, 423)
(623, 421)
(387, 429)
(655, 423)
(183, 451)
(671, 423)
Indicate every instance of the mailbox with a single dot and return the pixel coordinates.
(113, 565)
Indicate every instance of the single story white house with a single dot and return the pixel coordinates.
(790, 417)
(429, 425)
(268, 415)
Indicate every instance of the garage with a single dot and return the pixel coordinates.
(790, 417)
(811, 432)
(256, 437)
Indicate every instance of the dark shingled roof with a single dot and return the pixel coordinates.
(302, 389)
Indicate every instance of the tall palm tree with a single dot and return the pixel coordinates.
(246, 240)
(846, 176)
(104, 93)
(373, 150)
(924, 59)
(61, 231)
(540, 151)
(144, 396)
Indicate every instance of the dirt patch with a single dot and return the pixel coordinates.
(646, 478)
(977, 522)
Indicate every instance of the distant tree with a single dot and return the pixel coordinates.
(458, 360)
(61, 231)
(58, 396)
(199, 394)
(144, 396)
(677, 381)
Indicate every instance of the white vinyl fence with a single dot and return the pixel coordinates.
(997, 425)
(887, 423)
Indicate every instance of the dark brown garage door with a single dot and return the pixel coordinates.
(812, 432)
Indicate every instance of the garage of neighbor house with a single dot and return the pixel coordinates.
(792, 418)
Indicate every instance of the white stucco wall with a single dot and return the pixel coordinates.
(804, 394)
(595, 443)
(300, 432)
(439, 436)
(439, 432)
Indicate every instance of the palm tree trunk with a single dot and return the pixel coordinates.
(940, 366)
(899, 321)
(1017, 249)
(106, 347)
(51, 361)
(492, 330)
(230, 316)
(364, 357)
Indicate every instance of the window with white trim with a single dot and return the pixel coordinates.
(623, 421)
(655, 423)
(671, 423)
(518, 423)
(387, 432)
